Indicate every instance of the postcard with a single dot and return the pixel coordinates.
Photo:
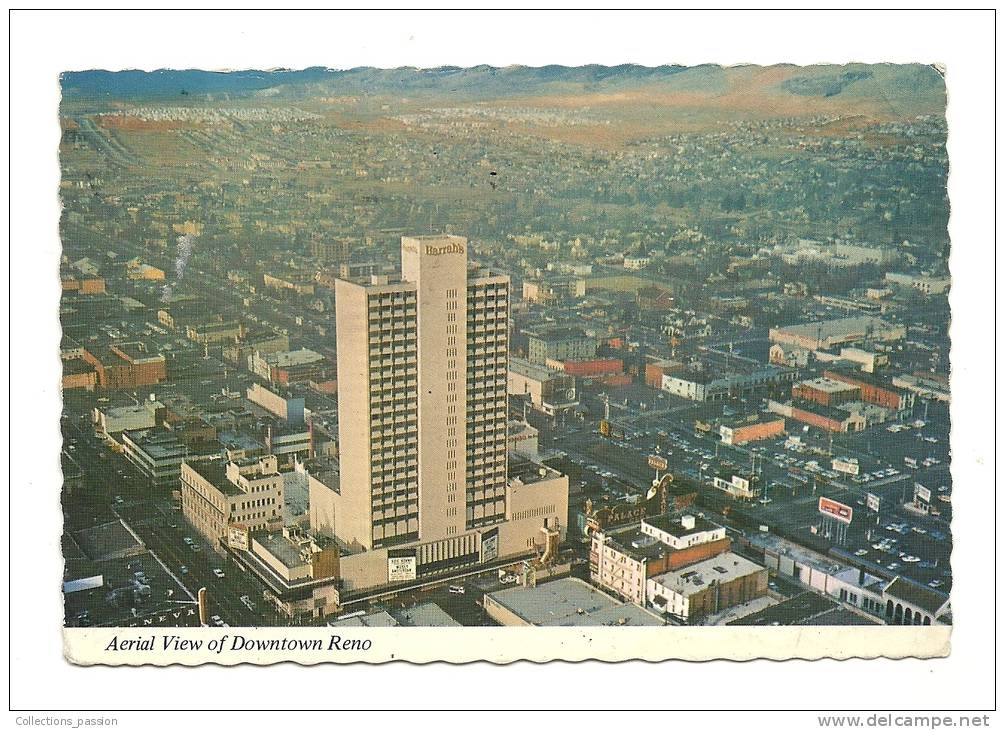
(495, 364)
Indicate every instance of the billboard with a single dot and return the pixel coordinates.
(872, 501)
(657, 462)
(845, 466)
(238, 537)
(833, 508)
(922, 492)
(490, 545)
(401, 565)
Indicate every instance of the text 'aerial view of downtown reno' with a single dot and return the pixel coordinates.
(561, 346)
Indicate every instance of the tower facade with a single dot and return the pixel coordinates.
(422, 400)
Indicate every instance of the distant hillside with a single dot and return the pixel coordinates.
(884, 90)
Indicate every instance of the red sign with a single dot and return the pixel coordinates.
(838, 511)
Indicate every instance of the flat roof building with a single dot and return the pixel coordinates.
(217, 494)
(560, 343)
(564, 602)
(621, 560)
(831, 333)
(707, 587)
(300, 569)
(550, 391)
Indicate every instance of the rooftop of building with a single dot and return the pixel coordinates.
(754, 419)
(326, 471)
(290, 548)
(837, 327)
(76, 366)
(525, 471)
(827, 385)
(379, 619)
(633, 542)
(214, 471)
(571, 602)
(853, 373)
(139, 351)
(558, 334)
(426, 614)
(515, 428)
(804, 609)
(696, 577)
(145, 407)
(290, 358)
(237, 441)
(532, 370)
(214, 325)
(674, 524)
(798, 553)
(158, 444)
(832, 412)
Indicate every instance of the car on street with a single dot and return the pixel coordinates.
(218, 573)
(456, 589)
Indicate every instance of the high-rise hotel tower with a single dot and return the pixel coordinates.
(422, 401)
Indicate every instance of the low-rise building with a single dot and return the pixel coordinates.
(875, 390)
(299, 568)
(657, 369)
(159, 454)
(290, 409)
(78, 374)
(264, 342)
(827, 418)
(216, 494)
(588, 368)
(788, 356)
(83, 284)
(923, 283)
(294, 366)
(298, 283)
(868, 362)
(113, 421)
(736, 433)
(689, 594)
(288, 442)
(215, 331)
(622, 559)
(551, 392)
(825, 391)
(719, 378)
(145, 272)
(822, 573)
(828, 334)
(553, 289)
(127, 365)
(563, 343)
(924, 387)
(739, 486)
(563, 602)
(912, 604)
(521, 438)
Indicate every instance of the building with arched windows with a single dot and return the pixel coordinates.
(911, 604)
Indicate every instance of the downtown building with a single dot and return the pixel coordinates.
(425, 484)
